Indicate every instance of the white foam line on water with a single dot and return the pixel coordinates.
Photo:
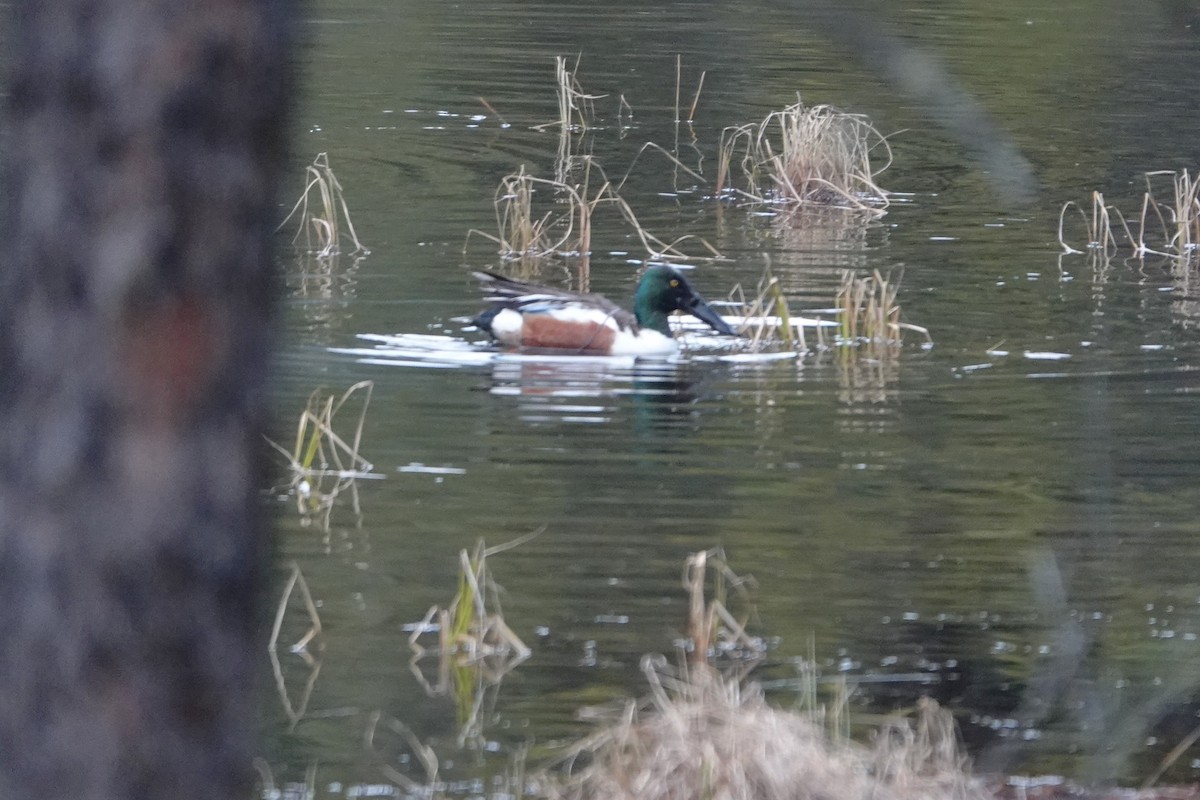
(749, 358)
(692, 323)
(549, 358)
(402, 356)
(418, 340)
(424, 363)
(417, 466)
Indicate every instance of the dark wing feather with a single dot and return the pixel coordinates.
(532, 297)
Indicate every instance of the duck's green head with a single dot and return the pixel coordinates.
(663, 290)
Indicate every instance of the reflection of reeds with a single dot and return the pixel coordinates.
(1164, 228)
(822, 157)
(422, 753)
(295, 711)
(322, 224)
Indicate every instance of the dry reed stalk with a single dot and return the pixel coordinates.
(767, 319)
(1167, 229)
(322, 229)
(624, 116)
(712, 629)
(576, 110)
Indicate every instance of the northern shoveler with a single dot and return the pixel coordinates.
(526, 315)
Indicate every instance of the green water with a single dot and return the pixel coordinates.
(1014, 536)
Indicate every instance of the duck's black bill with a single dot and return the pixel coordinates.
(703, 311)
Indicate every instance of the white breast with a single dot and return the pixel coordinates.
(646, 343)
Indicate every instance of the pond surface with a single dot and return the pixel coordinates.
(1005, 521)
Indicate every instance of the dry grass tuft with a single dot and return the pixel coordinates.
(327, 222)
(868, 317)
(1164, 228)
(869, 314)
(822, 157)
(701, 735)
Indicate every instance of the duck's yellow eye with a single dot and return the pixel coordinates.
(674, 283)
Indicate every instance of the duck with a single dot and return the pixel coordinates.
(528, 316)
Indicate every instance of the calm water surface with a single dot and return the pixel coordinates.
(1012, 535)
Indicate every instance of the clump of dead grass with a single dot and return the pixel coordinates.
(805, 156)
(869, 314)
(1165, 228)
(700, 735)
(707, 733)
(323, 223)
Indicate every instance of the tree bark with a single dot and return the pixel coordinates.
(144, 145)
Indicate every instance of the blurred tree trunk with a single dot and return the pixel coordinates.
(142, 153)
